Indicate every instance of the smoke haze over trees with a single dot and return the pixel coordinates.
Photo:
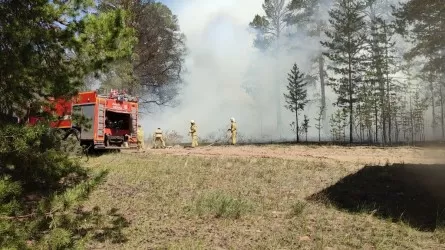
(379, 102)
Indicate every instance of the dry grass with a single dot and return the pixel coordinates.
(182, 201)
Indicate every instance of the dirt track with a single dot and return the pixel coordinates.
(361, 155)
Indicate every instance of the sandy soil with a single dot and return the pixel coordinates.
(360, 155)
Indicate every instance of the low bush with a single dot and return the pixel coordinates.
(41, 189)
(221, 205)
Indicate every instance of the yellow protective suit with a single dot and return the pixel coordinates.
(140, 136)
(194, 134)
(233, 132)
(158, 138)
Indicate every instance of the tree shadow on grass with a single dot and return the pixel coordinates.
(414, 194)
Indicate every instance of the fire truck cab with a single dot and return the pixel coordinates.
(108, 121)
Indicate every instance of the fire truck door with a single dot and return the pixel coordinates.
(87, 126)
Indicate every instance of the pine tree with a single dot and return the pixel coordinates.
(39, 59)
(153, 72)
(442, 107)
(420, 106)
(306, 15)
(437, 82)
(376, 67)
(270, 26)
(422, 22)
(335, 124)
(387, 33)
(305, 126)
(319, 118)
(380, 67)
(296, 98)
(431, 81)
(398, 95)
(365, 110)
(409, 90)
(338, 125)
(346, 41)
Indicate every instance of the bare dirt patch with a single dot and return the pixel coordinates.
(359, 155)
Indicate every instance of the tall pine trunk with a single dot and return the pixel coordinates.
(388, 88)
(411, 119)
(383, 110)
(296, 125)
(321, 75)
(277, 84)
(396, 123)
(376, 114)
(433, 103)
(322, 85)
(360, 114)
(350, 98)
(442, 118)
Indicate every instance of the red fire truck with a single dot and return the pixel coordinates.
(112, 119)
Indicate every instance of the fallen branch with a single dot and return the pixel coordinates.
(17, 217)
(26, 216)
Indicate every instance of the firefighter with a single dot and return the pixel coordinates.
(232, 130)
(193, 132)
(140, 137)
(158, 137)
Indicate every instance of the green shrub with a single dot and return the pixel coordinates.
(223, 205)
(41, 189)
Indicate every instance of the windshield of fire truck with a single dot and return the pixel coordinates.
(117, 120)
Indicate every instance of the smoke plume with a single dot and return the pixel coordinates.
(222, 63)
(227, 77)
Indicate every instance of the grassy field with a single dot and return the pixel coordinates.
(273, 197)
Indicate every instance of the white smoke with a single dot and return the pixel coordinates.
(222, 60)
